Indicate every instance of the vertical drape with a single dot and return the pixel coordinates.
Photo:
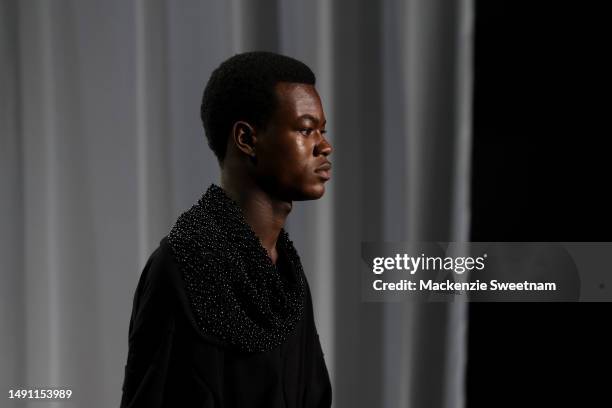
(12, 303)
(102, 148)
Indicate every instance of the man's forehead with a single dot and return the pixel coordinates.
(299, 100)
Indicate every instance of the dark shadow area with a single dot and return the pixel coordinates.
(541, 172)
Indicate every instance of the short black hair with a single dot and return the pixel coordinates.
(242, 88)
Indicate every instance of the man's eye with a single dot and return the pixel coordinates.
(306, 132)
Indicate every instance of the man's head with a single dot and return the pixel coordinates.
(263, 116)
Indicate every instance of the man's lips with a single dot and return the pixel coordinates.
(324, 170)
(324, 166)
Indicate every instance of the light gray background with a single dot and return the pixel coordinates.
(101, 149)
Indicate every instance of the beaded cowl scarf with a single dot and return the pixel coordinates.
(235, 291)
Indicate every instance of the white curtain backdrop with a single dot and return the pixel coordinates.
(101, 149)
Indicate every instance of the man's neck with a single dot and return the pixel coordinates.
(263, 213)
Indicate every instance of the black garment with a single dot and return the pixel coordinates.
(172, 362)
(234, 290)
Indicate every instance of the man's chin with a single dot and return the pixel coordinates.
(313, 193)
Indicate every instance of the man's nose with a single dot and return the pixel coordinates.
(324, 147)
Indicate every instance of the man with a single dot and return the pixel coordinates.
(222, 314)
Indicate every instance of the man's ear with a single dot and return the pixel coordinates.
(243, 136)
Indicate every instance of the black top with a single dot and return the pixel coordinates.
(235, 291)
(173, 363)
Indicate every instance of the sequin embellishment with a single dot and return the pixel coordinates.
(235, 291)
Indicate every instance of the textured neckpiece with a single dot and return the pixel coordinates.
(235, 291)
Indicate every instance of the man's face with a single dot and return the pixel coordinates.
(292, 151)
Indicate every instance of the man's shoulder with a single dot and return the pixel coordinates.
(164, 264)
(161, 272)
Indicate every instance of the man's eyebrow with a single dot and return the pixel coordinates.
(312, 118)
